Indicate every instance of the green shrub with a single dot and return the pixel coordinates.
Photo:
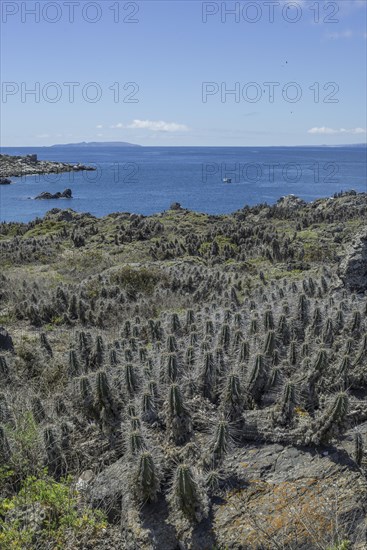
(61, 519)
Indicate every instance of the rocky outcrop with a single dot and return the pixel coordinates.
(353, 267)
(29, 165)
(6, 341)
(47, 196)
(290, 202)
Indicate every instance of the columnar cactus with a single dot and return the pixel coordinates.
(269, 344)
(225, 336)
(232, 397)
(53, 452)
(221, 442)
(136, 443)
(149, 412)
(332, 418)
(178, 417)
(208, 377)
(268, 320)
(187, 495)
(131, 380)
(146, 479)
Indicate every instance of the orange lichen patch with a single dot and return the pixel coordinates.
(300, 411)
(287, 513)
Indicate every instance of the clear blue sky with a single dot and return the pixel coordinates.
(169, 53)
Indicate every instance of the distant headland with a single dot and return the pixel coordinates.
(97, 144)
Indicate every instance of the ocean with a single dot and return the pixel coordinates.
(147, 180)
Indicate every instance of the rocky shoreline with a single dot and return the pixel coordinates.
(29, 165)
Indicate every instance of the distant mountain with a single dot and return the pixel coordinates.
(98, 144)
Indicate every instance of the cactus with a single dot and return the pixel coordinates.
(128, 355)
(358, 448)
(225, 336)
(293, 353)
(171, 344)
(190, 357)
(136, 442)
(175, 325)
(209, 328)
(221, 442)
(322, 362)
(332, 418)
(356, 322)
(53, 452)
(149, 412)
(131, 380)
(187, 495)
(178, 417)
(208, 377)
(287, 404)
(232, 398)
(103, 390)
(268, 320)
(256, 381)
(171, 368)
(283, 331)
(269, 344)
(328, 333)
(303, 309)
(190, 318)
(146, 479)
(244, 352)
(135, 423)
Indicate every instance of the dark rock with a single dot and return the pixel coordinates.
(32, 159)
(175, 206)
(5, 181)
(64, 195)
(353, 267)
(6, 341)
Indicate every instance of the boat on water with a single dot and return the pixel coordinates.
(227, 180)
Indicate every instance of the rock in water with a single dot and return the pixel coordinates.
(5, 181)
(353, 267)
(6, 341)
(64, 195)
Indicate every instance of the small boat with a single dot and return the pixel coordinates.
(227, 180)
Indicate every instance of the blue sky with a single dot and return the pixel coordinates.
(171, 55)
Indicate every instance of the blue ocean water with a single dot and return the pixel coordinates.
(147, 180)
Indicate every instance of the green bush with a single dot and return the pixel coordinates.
(61, 518)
